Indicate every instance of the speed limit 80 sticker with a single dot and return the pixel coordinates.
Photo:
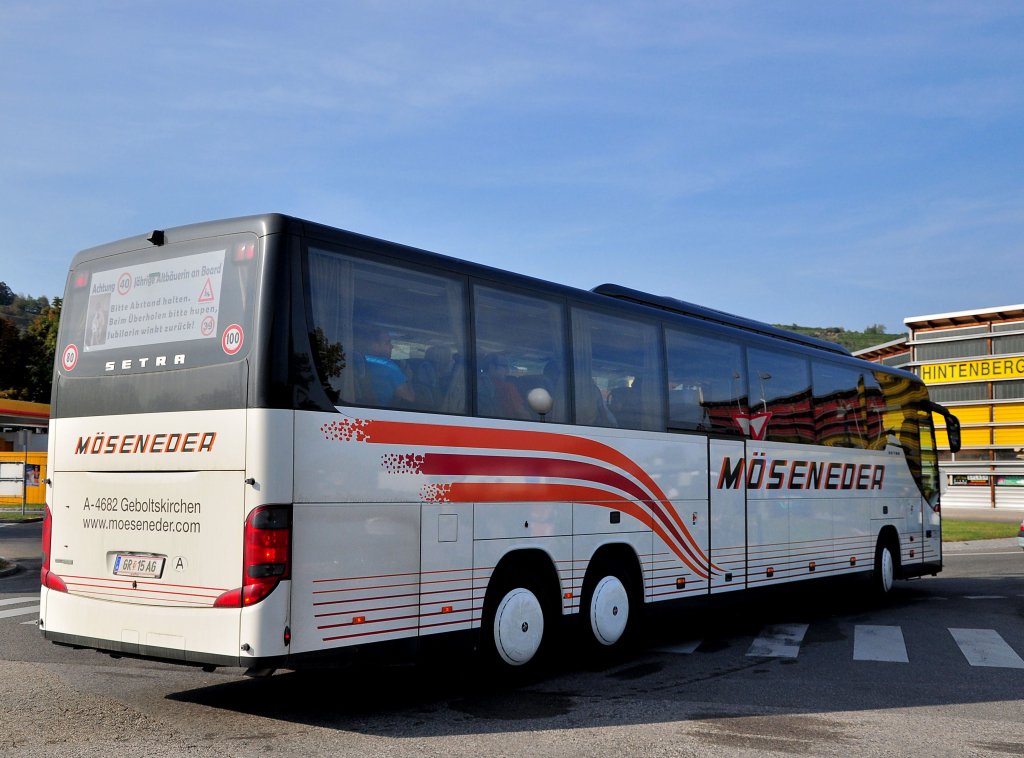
(232, 339)
(69, 359)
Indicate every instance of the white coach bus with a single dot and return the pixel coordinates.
(278, 444)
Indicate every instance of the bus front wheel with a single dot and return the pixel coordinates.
(885, 568)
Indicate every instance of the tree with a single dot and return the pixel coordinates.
(12, 371)
(28, 344)
(40, 347)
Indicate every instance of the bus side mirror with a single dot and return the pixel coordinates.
(953, 432)
(952, 424)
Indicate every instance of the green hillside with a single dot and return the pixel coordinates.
(852, 341)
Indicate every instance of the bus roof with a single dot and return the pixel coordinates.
(673, 305)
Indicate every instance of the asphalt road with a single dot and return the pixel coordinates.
(936, 669)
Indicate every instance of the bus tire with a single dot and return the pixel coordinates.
(884, 574)
(610, 607)
(517, 625)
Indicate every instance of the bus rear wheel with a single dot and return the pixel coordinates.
(517, 626)
(610, 608)
(608, 611)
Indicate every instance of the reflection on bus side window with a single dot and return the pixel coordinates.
(929, 459)
(905, 420)
(707, 386)
(617, 372)
(387, 336)
(840, 415)
(780, 384)
(520, 346)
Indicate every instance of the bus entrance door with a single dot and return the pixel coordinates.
(728, 504)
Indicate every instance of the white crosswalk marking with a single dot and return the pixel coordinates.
(984, 647)
(871, 642)
(682, 648)
(10, 612)
(18, 600)
(779, 641)
(879, 643)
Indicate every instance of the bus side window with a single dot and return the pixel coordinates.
(617, 372)
(929, 459)
(520, 346)
(840, 418)
(707, 387)
(780, 389)
(382, 332)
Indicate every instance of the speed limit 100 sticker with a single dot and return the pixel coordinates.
(70, 357)
(232, 339)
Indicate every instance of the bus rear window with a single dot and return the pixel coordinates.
(179, 305)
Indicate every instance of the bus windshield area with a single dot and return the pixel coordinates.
(160, 308)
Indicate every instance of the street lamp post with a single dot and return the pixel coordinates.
(24, 470)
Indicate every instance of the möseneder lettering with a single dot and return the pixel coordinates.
(782, 474)
(129, 444)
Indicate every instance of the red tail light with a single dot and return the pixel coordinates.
(245, 251)
(46, 577)
(266, 558)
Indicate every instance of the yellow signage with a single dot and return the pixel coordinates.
(982, 370)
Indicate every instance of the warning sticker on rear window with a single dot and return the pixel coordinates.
(168, 301)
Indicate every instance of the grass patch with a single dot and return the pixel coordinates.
(962, 531)
(14, 514)
(4, 564)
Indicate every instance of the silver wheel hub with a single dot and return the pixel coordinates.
(518, 627)
(609, 610)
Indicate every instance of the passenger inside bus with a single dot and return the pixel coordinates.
(387, 381)
(497, 394)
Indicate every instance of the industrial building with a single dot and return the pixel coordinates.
(973, 363)
(23, 453)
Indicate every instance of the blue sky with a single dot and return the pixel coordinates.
(820, 163)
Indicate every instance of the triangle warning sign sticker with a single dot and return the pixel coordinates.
(206, 296)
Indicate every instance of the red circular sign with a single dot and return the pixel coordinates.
(124, 283)
(70, 358)
(232, 339)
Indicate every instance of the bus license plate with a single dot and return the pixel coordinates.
(148, 566)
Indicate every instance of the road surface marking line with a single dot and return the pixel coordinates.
(683, 648)
(16, 600)
(19, 612)
(779, 641)
(985, 597)
(879, 643)
(948, 554)
(984, 647)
